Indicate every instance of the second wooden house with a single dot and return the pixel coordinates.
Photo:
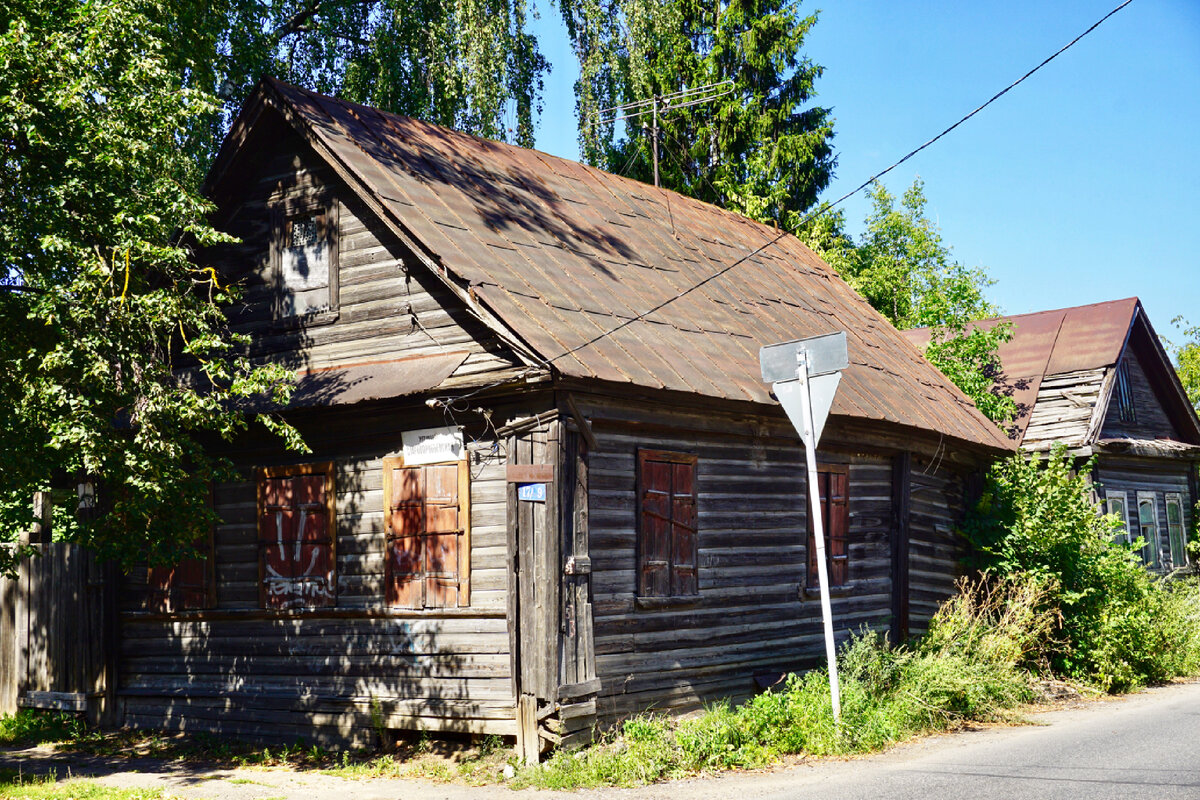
(1097, 380)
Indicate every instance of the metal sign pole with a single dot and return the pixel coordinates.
(808, 434)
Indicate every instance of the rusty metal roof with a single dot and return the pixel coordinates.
(562, 253)
(356, 382)
(1066, 340)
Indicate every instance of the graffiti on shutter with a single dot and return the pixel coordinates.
(295, 542)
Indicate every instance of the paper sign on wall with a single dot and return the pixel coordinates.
(432, 445)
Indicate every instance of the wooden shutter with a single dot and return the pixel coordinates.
(295, 529)
(428, 523)
(667, 540)
(836, 509)
(442, 531)
(833, 484)
(683, 529)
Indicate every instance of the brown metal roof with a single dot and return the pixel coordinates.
(562, 253)
(1055, 342)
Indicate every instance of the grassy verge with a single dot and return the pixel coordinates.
(968, 668)
(71, 790)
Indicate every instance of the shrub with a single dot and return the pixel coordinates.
(1117, 625)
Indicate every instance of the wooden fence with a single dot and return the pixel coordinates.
(56, 630)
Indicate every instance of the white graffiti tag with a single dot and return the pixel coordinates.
(306, 585)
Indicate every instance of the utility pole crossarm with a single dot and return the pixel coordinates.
(656, 104)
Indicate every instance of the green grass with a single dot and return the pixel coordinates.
(73, 790)
(29, 727)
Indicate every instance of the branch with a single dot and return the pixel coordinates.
(298, 22)
(295, 22)
(17, 288)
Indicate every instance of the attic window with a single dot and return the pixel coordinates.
(305, 259)
(1125, 408)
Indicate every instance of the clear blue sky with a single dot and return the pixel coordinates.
(1080, 185)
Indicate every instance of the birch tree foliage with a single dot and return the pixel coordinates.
(466, 64)
(100, 304)
(764, 149)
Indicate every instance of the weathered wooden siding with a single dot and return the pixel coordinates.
(316, 674)
(1160, 476)
(1150, 421)
(1066, 404)
(388, 305)
(936, 549)
(753, 615)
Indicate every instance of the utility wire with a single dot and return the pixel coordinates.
(818, 212)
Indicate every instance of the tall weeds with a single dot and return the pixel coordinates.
(1118, 626)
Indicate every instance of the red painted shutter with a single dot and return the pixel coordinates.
(683, 530)
(277, 535)
(835, 514)
(295, 541)
(406, 526)
(442, 529)
(654, 579)
(312, 568)
(837, 517)
(158, 589)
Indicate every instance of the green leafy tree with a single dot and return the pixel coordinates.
(1187, 360)
(115, 363)
(905, 270)
(469, 64)
(763, 149)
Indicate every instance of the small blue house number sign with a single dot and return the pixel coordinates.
(535, 492)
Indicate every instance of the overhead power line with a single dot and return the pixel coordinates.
(825, 207)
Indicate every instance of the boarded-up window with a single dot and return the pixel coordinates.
(1126, 410)
(185, 586)
(296, 536)
(1116, 506)
(305, 256)
(1175, 530)
(667, 540)
(1148, 528)
(427, 517)
(833, 484)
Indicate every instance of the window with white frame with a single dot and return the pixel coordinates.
(1175, 530)
(1116, 506)
(1148, 528)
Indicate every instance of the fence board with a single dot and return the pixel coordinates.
(52, 631)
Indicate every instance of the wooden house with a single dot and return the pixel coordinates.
(1096, 379)
(547, 486)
